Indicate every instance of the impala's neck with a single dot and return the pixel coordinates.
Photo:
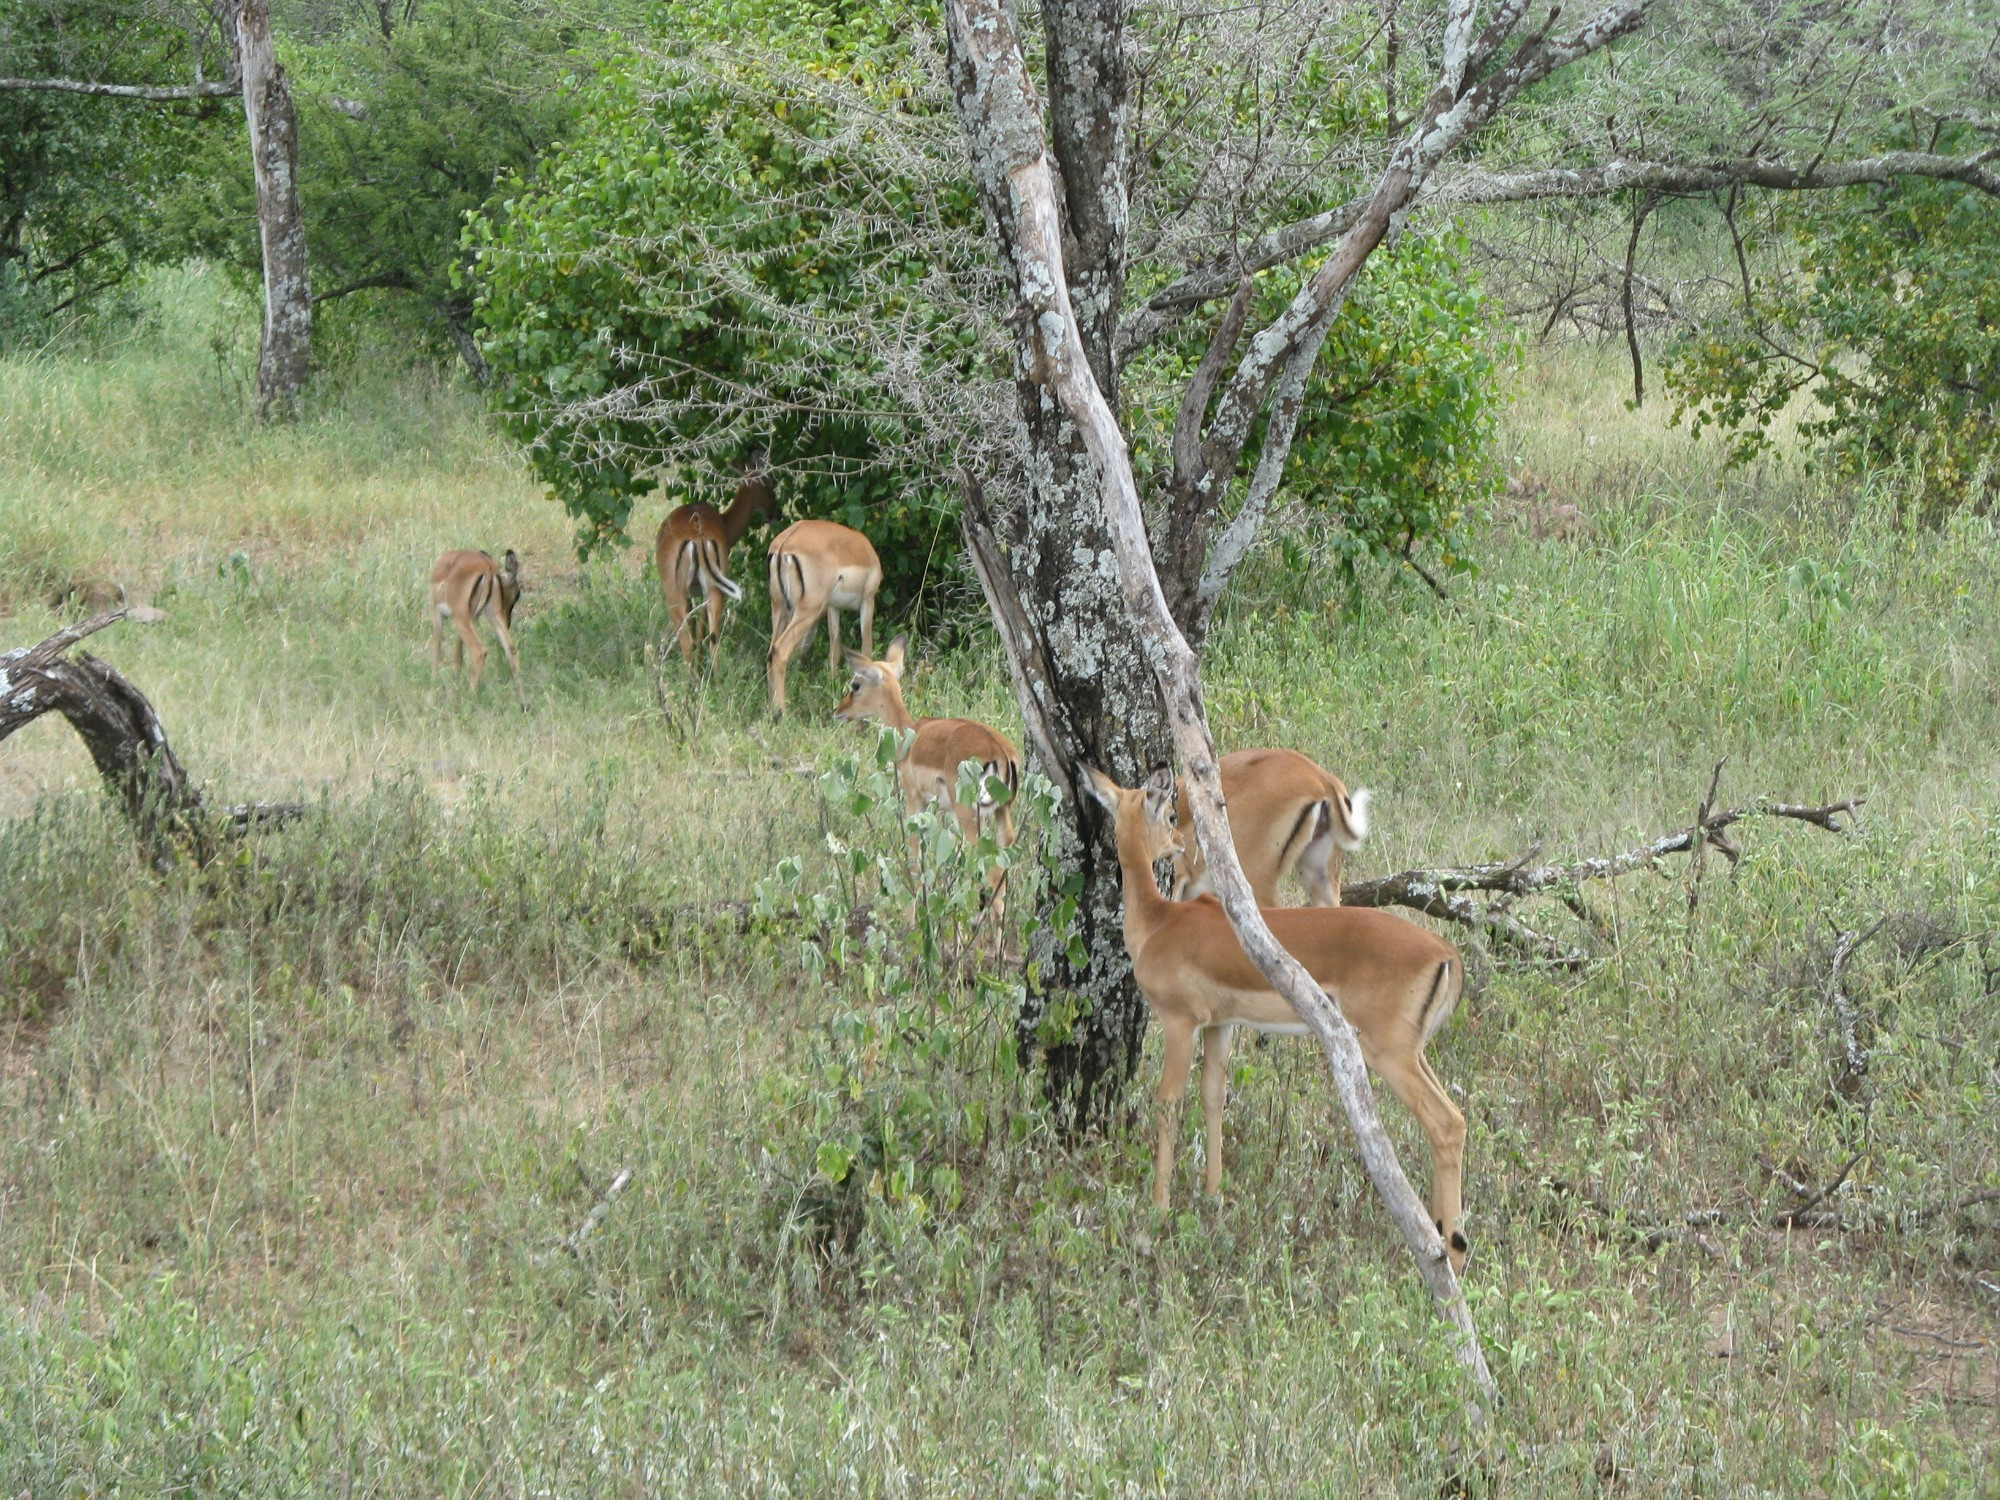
(894, 712)
(752, 495)
(1145, 907)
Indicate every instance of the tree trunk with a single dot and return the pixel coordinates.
(285, 354)
(1052, 581)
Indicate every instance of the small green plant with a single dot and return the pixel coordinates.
(913, 1056)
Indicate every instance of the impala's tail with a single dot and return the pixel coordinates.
(701, 557)
(1349, 823)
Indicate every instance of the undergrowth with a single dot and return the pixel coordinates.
(301, 1148)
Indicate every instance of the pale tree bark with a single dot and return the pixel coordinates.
(1049, 570)
(1002, 123)
(285, 352)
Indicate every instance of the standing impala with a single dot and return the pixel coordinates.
(818, 568)
(465, 588)
(692, 554)
(1395, 982)
(1286, 815)
(928, 769)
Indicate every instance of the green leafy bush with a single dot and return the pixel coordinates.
(1891, 318)
(913, 1058)
(659, 297)
(1393, 449)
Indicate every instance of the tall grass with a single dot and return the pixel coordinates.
(291, 1143)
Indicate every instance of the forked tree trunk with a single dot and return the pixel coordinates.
(1052, 581)
(285, 352)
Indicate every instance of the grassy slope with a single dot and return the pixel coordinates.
(281, 1149)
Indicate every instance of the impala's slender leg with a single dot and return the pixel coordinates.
(437, 640)
(715, 604)
(867, 628)
(1179, 1038)
(1319, 867)
(513, 657)
(1410, 1078)
(833, 640)
(1214, 1094)
(1003, 826)
(780, 605)
(677, 602)
(468, 636)
(783, 648)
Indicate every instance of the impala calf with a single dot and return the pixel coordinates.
(467, 587)
(692, 555)
(1286, 816)
(928, 769)
(818, 568)
(1395, 982)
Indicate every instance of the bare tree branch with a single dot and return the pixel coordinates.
(1001, 118)
(1215, 277)
(159, 94)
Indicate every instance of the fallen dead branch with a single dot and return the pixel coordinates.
(572, 1243)
(126, 739)
(1442, 892)
(1855, 1072)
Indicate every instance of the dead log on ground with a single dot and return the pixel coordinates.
(126, 739)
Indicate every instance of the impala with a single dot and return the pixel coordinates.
(465, 588)
(692, 555)
(928, 769)
(1286, 816)
(818, 568)
(1395, 982)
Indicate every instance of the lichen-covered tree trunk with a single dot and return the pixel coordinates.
(286, 350)
(1086, 688)
(1096, 700)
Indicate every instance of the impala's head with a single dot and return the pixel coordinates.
(753, 471)
(874, 685)
(1147, 811)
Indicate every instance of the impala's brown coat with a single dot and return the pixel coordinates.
(818, 568)
(465, 588)
(928, 770)
(1286, 815)
(1395, 982)
(692, 552)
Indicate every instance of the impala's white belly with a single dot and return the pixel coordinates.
(1277, 1028)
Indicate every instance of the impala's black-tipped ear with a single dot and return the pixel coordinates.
(893, 657)
(1102, 789)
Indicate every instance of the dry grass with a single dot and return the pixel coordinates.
(285, 1146)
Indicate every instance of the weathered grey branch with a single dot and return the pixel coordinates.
(1440, 892)
(126, 740)
(572, 1243)
(1215, 277)
(1855, 1055)
(1001, 119)
(154, 93)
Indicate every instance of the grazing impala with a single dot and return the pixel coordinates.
(692, 554)
(818, 568)
(1395, 982)
(928, 770)
(1286, 815)
(469, 586)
